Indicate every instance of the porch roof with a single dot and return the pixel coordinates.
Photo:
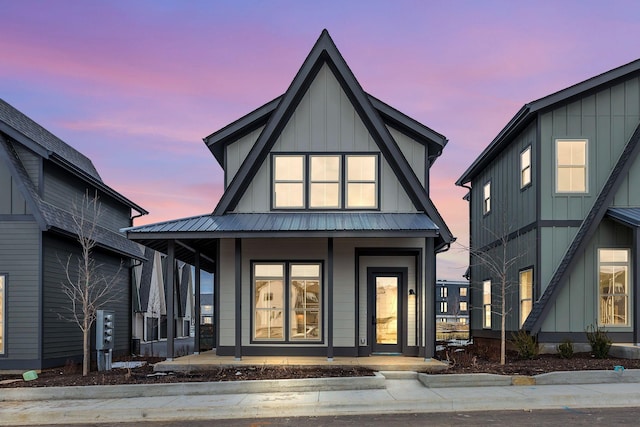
(628, 216)
(199, 233)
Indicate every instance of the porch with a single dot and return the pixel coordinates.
(210, 360)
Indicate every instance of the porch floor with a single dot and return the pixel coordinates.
(210, 360)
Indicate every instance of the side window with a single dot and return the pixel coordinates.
(525, 167)
(613, 289)
(486, 304)
(571, 165)
(486, 198)
(288, 181)
(526, 294)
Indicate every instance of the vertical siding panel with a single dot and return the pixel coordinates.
(303, 126)
(317, 111)
(348, 123)
(334, 113)
(6, 188)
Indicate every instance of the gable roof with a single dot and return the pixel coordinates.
(530, 111)
(585, 232)
(27, 132)
(325, 52)
(50, 217)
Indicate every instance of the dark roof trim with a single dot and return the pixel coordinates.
(186, 235)
(325, 51)
(587, 230)
(530, 111)
(27, 142)
(627, 216)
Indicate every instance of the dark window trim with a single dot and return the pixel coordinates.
(530, 183)
(286, 308)
(490, 327)
(533, 290)
(484, 199)
(587, 187)
(343, 180)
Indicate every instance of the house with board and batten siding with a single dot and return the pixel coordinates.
(40, 179)
(324, 241)
(558, 188)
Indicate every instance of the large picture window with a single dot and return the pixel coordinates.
(526, 294)
(283, 287)
(571, 165)
(613, 268)
(325, 181)
(486, 304)
(2, 312)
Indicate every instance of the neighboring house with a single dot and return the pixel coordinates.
(452, 302)
(324, 241)
(206, 309)
(558, 185)
(149, 324)
(40, 179)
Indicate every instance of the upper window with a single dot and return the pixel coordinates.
(280, 288)
(525, 167)
(463, 292)
(486, 304)
(443, 292)
(486, 198)
(288, 181)
(463, 306)
(613, 267)
(443, 307)
(2, 313)
(526, 294)
(571, 164)
(317, 181)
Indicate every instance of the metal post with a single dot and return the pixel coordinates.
(196, 339)
(169, 297)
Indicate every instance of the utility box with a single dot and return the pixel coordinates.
(105, 328)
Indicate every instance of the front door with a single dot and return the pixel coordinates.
(386, 309)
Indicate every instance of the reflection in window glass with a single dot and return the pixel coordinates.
(361, 182)
(613, 266)
(268, 302)
(325, 182)
(486, 304)
(463, 292)
(486, 198)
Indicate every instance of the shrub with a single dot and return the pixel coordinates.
(565, 350)
(525, 344)
(599, 341)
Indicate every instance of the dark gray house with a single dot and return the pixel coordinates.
(40, 178)
(555, 192)
(324, 241)
(452, 302)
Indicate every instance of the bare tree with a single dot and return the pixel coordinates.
(499, 261)
(86, 285)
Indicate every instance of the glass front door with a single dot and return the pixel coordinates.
(386, 313)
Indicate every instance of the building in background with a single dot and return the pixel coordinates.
(41, 178)
(452, 309)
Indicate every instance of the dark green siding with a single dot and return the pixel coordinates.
(11, 200)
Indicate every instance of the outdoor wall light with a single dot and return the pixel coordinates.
(412, 292)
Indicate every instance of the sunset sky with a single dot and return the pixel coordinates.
(136, 85)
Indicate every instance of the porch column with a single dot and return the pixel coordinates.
(429, 300)
(238, 310)
(196, 339)
(169, 297)
(330, 299)
(635, 277)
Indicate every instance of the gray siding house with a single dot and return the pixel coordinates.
(40, 178)
(324, 241)
(553, 194)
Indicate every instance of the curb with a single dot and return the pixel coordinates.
(551, 378)
(193, 389)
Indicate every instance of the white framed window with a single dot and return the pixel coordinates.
(486, 198)
(443, 292)
(443, 307)
(3, 286)
(288, 181)
(284, 287)
(362, 178)
(324, 182)
(571, 165)
(526, 294)
(486, 304)
(463, 292)
(463, 306)
(613, 288)
(525, 167)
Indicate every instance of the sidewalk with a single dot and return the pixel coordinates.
(401, 392)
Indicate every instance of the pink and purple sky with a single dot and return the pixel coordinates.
(136, 85)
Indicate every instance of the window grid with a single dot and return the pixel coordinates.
(526, 294)
(463, 306)
(486, 304)
(324, 182)
(525, 167)
(443, 292)
(613, 289)
(486, 198)
(443, 307)
(361, 183)
(288, 182)
(571, 165)
(463, 292)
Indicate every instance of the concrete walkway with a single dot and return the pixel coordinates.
(400, 392)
